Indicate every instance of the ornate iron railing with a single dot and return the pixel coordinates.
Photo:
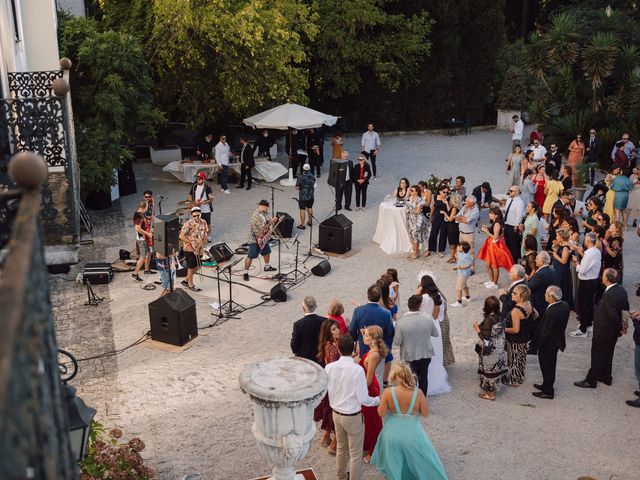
(36, 120)
(34, 439)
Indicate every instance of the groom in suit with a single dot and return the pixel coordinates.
(608, 325)
(551, 339)
(516, 274)
(544, 277)
(306, 331)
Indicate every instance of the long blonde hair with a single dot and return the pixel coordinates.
(375, 332)
(402, 375)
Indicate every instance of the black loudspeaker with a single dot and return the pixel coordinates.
(173, 318)
(337, 172)
(127, 179)
(166, 233)
(335, 234)
(321, 269)
(278, 293)
(221, 252)
(286, 225)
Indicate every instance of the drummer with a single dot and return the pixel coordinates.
(201, 195)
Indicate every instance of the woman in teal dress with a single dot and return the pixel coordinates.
(531, 225)
(403, 450)
(622, 185)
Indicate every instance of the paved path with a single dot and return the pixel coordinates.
(188, 407)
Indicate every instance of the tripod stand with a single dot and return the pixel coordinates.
(92, 299)
(310, 254)
(295, 272)
(279, 275)
(231, 305)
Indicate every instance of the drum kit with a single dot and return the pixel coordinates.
(183, 212)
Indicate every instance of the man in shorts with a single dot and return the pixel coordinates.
(144, 240)
(194, 237)
(306, 185)
(259, 233)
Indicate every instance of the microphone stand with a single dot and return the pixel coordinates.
(161, 198)
(310, 254)
(279, 275)
(273, 201)
(295, 272)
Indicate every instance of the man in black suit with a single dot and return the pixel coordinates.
(516, 274)
(551, 339)
(306, 331)
(592, 145)
(544, 277)
(483, 195)
(344, 188)
(553, 159)
(246, 163)
(296, 147)
(608, 325)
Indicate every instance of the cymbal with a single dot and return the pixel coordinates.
(183, 203)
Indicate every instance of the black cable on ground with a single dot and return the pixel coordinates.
(112, 353)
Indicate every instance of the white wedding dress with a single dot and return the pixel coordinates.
(438, 379)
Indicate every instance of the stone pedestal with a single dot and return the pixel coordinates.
(284, 392)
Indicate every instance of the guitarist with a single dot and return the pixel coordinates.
(261, 227)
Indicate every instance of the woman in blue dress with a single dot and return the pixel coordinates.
(622, 185)
(403, 450)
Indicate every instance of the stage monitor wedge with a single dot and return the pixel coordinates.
(321, 269)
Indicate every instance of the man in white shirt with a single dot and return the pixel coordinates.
(518, 128)
(588, 280)
(223, 152)
(514, 210)
(370, 145)
(348, 391)
(539, 151)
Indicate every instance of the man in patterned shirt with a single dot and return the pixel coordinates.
(194, 237)
(260, 223)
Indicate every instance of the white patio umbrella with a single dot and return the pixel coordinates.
(290, 115)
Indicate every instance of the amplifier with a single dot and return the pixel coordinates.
(98, 273)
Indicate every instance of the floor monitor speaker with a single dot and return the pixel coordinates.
(321, 269)
(221, 252)
(279, 293)
(173, 318)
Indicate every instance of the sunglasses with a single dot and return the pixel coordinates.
(195, 214)
(147, 196)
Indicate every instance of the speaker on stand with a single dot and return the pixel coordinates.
(166, 233)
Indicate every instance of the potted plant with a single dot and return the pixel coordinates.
(581, 177)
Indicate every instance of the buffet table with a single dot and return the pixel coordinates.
(391, 232)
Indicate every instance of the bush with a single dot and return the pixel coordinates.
(514, 92)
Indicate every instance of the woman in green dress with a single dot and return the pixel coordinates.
(403, 450)
(622, 185)
(531, 225)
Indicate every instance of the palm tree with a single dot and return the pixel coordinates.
(562, 40)
(598, 59)
(536, 58)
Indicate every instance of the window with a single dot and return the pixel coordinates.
(16, 28)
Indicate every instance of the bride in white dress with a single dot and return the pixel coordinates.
(438, 379)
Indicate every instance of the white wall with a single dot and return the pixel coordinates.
(39, 24)
(73, 7)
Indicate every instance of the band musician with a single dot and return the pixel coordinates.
(201, 195)
(260, 232)
(193, 235)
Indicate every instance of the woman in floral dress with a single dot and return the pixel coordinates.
(416, 222)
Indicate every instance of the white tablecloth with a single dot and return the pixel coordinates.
(391, 233)
(186, 172)
(265, 170)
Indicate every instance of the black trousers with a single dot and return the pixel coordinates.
(343, 190)
(421, 369)
(245, 172)
(361, 189)
(438, 234)
(602, 350)
(548, 357)
(513, 240)
(586, 303)
(371, 156)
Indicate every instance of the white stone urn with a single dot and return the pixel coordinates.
(284, 392)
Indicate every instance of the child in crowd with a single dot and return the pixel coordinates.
(394, 288)
(463, 266)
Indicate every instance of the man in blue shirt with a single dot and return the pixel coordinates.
(371, 313)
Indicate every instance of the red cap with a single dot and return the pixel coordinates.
(202, 175)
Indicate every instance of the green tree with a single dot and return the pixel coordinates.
(219, 59)
(111, 92)
(598, 59)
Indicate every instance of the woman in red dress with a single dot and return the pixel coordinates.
(372, 337)
(327, 352)
(494, 251)
(539, 181)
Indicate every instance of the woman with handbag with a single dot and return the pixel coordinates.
(490, 347)
(518, 333)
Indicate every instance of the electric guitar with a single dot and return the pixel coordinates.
(267, 230)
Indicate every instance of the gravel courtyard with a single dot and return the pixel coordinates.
(188, 408)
